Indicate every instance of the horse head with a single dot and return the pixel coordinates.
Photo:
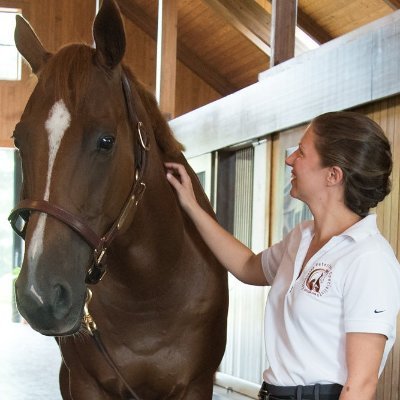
(82, 168)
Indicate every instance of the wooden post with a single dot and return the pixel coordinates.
(166, 56)
(284, 18)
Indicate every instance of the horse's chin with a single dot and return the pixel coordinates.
(57, 328)
(76, 329)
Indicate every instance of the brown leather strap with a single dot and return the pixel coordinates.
(26, 207)
(103, 350)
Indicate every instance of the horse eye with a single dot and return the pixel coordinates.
(105, 143)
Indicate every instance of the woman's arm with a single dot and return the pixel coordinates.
(363, 356)
(232, 254)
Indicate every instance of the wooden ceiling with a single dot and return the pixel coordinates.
(226, 42)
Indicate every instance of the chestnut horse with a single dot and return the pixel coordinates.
(95, 198)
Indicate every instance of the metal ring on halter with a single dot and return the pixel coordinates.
(139, 127)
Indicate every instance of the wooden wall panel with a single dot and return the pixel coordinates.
(140, 55)
(56, 22)
(387, 114)
(191, 91)
(342, 16)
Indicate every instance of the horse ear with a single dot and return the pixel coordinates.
(29, 45)
(109, 35)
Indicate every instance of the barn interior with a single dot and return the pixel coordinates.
(238, 81)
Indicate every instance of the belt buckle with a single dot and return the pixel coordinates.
(263, 395)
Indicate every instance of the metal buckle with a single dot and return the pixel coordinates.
(263, 394)
(97, 270)
(95, 274)
(133, 202)
(144, 145)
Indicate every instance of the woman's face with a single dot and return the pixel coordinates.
(309, 178)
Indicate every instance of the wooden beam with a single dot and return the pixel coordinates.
(311, 28)
(254, 21)
(149, 25)
(284, 19)
(137, 16)
(204, 71)
(307, 25)
(394, 4)
(166, 56)
(280, 100)
(248, 17)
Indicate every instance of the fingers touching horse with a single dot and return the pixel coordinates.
(95, 198)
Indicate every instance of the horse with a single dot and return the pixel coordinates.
(113, 268)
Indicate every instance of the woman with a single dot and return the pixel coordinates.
(330, 318)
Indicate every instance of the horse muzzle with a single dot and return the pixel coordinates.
(51, 312)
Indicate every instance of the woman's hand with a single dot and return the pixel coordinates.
(179, 178)
(233, 255)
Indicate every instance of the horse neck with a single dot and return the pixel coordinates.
(150, 248)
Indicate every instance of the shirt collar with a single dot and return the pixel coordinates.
(363, 228)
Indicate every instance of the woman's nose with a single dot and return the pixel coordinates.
(290, 159)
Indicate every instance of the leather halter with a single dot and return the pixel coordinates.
(99, 244)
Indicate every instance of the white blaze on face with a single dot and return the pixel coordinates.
(57, 123)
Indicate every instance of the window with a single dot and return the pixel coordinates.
(10, 66)
(6, 234)
(304, 42)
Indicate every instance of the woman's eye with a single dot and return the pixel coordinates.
(105, 143)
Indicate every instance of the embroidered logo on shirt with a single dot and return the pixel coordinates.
(318, 280)
(378, 311)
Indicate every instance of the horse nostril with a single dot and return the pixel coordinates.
(61, 303)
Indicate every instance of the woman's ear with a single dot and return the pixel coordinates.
(335, 176)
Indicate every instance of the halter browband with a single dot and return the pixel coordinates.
(99, 244)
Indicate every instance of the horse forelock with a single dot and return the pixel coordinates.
(67, 74)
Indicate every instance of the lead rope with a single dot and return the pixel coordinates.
(94, 332)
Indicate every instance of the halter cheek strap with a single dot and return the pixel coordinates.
(99, 244)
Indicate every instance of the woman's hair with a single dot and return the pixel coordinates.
(357, 145)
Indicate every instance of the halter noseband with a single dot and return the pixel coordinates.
(99, 244)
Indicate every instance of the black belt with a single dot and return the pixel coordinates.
(271, 392)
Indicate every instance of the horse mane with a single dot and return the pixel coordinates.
(68, 73)
(163, 133)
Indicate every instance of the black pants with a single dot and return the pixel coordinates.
(314, 392)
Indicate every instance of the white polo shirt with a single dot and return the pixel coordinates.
(352, 284)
